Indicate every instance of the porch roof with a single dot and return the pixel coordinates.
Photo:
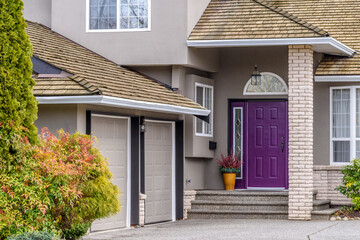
(92, 74)
(250, 19)
(285, 19)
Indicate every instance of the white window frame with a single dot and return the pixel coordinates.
(88, 30)
(267, 93)
(211, 113)
(353, 137)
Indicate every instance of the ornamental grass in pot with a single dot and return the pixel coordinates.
(230, 165)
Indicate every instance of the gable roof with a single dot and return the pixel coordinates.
(93, 74)
(250, 19)
(341, 19)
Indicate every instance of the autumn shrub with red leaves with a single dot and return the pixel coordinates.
(60, 184)
(229, 163)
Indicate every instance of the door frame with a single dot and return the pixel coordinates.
(128, 167)
(173, 162)
(230, 135)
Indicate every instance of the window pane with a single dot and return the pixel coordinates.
(357, 149)
(269, 84)
(341, 151)
(103, 14)
(341, 113)
(208, 105)
(357, 113)
(238, 138)
(136, 12)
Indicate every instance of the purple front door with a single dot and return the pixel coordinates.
(263, 145)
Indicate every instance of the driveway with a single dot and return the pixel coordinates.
(239, 229)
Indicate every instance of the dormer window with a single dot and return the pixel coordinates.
(118, 15)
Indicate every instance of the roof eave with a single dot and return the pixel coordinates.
(337, 78)
(326, 45)
(123, 103)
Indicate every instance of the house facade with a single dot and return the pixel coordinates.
(293, 131)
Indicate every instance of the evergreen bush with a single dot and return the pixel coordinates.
(35, 236)
(351, 183)
(18, 106)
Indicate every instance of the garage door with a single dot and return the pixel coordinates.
(158, 172)
(112, 135)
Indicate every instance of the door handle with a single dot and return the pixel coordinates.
(282, 144)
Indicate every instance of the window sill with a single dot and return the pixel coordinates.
(117, 30)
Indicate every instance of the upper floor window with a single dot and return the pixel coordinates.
(204, 96)
(271, 84)
(118, 15)
(345, 124)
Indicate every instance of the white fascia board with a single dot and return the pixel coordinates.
(338, 78)
(123, 103)
(329, 42)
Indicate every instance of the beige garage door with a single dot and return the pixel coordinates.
(112, 135)
(158, 172)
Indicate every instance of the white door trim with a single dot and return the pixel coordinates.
(128, 190)
(173, 180)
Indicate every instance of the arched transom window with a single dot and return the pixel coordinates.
(271, 84)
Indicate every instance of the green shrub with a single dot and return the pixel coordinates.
(76, 231)
(61, 184)
(351, 183)
(35, 236)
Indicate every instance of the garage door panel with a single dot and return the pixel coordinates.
(112, 136)
(158, 172)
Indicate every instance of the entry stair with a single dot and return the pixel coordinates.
(250, 205)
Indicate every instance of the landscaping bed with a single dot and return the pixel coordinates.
(346, 214)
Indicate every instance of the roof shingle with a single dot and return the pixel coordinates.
(93, 73)
(250, 19)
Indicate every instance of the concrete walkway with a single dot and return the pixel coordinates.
(239, 229)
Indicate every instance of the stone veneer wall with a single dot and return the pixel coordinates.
(301, 132)
(326, 179)
(189, 195)
(142, 209)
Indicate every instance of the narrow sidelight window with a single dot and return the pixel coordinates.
(204, 97)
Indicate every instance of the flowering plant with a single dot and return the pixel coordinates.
(229, 163)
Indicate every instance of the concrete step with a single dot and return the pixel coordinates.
(242, 196)
(323, 214)
(321, 205)
(229, 214)
(240, 206)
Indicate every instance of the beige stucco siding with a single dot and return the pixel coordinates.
(56, 117)
(38, 11)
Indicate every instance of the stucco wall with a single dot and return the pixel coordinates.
(38, 11)
(195, 10)
(160, 73)
(236, 66)
(57, 117)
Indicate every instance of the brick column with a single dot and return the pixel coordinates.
(300, 132)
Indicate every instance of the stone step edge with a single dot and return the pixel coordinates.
(321, 202)
(244, 203)
(329, 211)
(201, 211)
(240, 193)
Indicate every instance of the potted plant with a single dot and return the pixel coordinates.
(230, 165)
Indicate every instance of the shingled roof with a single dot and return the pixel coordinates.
(63, 86)
(94, 74)
(250, 19)
(259, 19)
(341, 18)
